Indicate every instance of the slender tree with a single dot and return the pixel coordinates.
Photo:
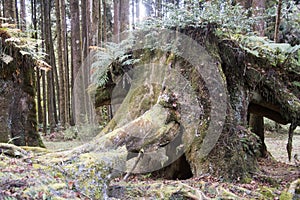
(104, 20)
(124, 15)
(116, 17)
(44, 80)
(22, 15)
(259, 7)
(9, 10)
(75, 48)
(61, 62)
(38, 71)
(95, 22)
(66, 62)
(137, 10)
(100, 25)
(278, 19)
(50, 59)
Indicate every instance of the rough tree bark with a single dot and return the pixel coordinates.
(75, 47)
(18, 108)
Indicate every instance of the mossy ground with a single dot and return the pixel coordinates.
(273, 181)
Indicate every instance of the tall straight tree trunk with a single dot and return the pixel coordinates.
(278, 19)
(75, 48)
(132, 14)
(1, 11)
(259, 7)
(95, 25)
(66, 62)
(44, 83)
(124, 15)
(17, 22)
(9, 10)
(84, 27)
(85, 24)
(158, 7)
(104, 20)
(100, 32)
(61, 63)
(116, 17)
(148, 7)
(137, 10)
(38, 72)
(23, 15)
(50, 51)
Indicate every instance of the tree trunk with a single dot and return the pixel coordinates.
(137, 10)
(124, 15)
(259, 7)
(61, 63)
(18, 107)
(158, 8)
(75, 48)
(133, 6)
(38, 71)
(50, 75)
(9, 8)
(116, 18)
(104, 20)
(44, 82)
(65, 53)
(23, 15)
(100, 25)
(277, 23)
(95, 23)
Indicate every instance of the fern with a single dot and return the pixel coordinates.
(109, 54)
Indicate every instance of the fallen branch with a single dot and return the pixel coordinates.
(12, 150)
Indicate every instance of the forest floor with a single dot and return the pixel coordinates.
(275, 179)
(272, 181)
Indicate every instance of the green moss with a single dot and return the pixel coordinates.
(246, 180)
(267, 192)
(286, 196)
(171, 58)
(57, 186)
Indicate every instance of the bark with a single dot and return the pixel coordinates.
(124, 15)
(38, 71)
(51, 105)
(260, 5)
(44, 82)
(23, 15)
(104, 21)
(148, 7)
(75, 46)
(158, 7)
(65, 52)
(116, 17)
(95, 24)
(100, 24)
(44, 85)
(61, 63)
(137, 10)
(9, 10)
(277, 23)
(84, 28)
(18, 106)
(133, 6)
